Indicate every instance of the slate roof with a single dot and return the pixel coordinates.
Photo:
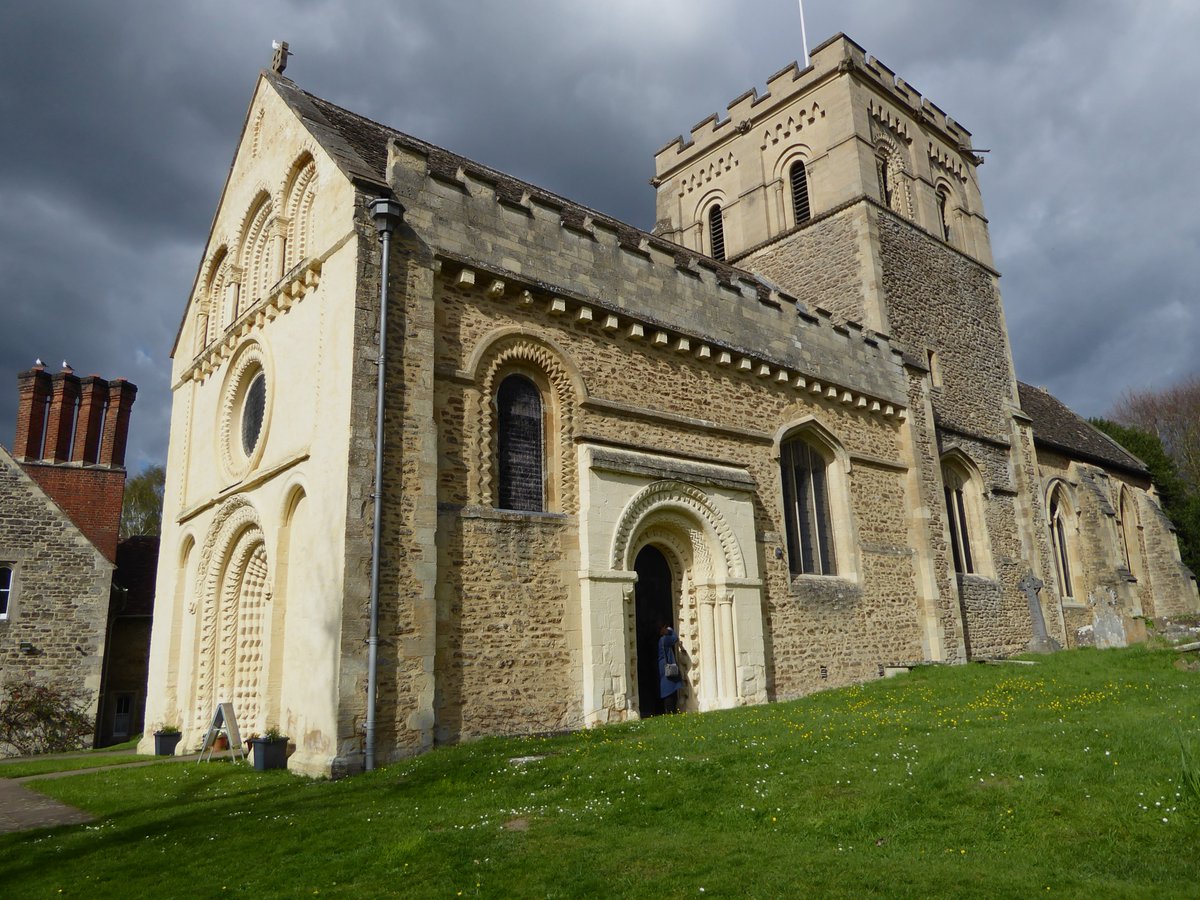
(1057, 427)
(359, 146)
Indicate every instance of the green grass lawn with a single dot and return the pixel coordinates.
(34, 766)
(958, 781)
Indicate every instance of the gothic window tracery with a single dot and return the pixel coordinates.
(1130, 528)
(1062, 537)
(807, 515)
(965, 519)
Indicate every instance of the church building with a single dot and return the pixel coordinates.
(785, 421)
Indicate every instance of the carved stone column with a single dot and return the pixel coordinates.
(279, 232)
(233, 295)
(708, 649)
(728, 684)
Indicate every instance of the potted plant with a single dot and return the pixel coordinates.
(166, 739)
(270, 750)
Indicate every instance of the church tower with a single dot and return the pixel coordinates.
(755, 188)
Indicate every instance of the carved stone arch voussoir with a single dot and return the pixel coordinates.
(677, 533)
(233, 517)
(516, 351)
(670, 498)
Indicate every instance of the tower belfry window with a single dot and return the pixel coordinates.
(885, 187)
(943, 198)
(801, 209)
(716, 233)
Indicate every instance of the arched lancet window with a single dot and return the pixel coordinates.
(1131, 545)
(810, 539)
(960, 523)
(1062, 523)
(798, 178)
(943, 203)
(966, 521)
(520, 445)
(716, 232)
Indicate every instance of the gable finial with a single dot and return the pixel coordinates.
(280, 58)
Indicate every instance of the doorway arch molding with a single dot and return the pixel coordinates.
(663, 496)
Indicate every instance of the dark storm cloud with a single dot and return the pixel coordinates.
(121, 119)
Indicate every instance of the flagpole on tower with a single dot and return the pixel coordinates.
(803, 34)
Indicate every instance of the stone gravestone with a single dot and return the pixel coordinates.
(1042, 642)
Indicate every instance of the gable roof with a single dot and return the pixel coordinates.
(359, 147)
(1057, 427)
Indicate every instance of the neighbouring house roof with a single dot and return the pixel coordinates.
(1057, 427)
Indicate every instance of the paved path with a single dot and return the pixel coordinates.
(22, 809)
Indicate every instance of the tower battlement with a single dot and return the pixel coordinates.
(837, 55)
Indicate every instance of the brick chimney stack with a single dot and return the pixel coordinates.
(33, 390)
(121, 395)
(93, 400)
(81, 462)
(64, 397)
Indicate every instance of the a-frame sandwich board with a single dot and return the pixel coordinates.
(223, 722)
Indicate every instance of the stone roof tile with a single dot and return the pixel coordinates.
(1056, 426)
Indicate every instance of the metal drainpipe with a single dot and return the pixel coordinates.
(388, 214)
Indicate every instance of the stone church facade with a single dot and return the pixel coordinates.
(785, 420)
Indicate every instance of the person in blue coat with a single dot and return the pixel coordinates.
(668, 685)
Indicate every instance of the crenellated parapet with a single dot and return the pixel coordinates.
(838, 55)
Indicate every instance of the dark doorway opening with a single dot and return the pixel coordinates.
(653, 608)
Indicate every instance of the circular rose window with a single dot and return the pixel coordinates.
(245, 412)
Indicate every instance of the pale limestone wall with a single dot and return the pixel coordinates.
(60, 591)
(293, 490)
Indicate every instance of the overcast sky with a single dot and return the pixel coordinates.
(120, 119)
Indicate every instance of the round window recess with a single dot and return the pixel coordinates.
(245, 414)
(254, 408)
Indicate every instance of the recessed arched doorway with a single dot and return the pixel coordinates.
(654, 606)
